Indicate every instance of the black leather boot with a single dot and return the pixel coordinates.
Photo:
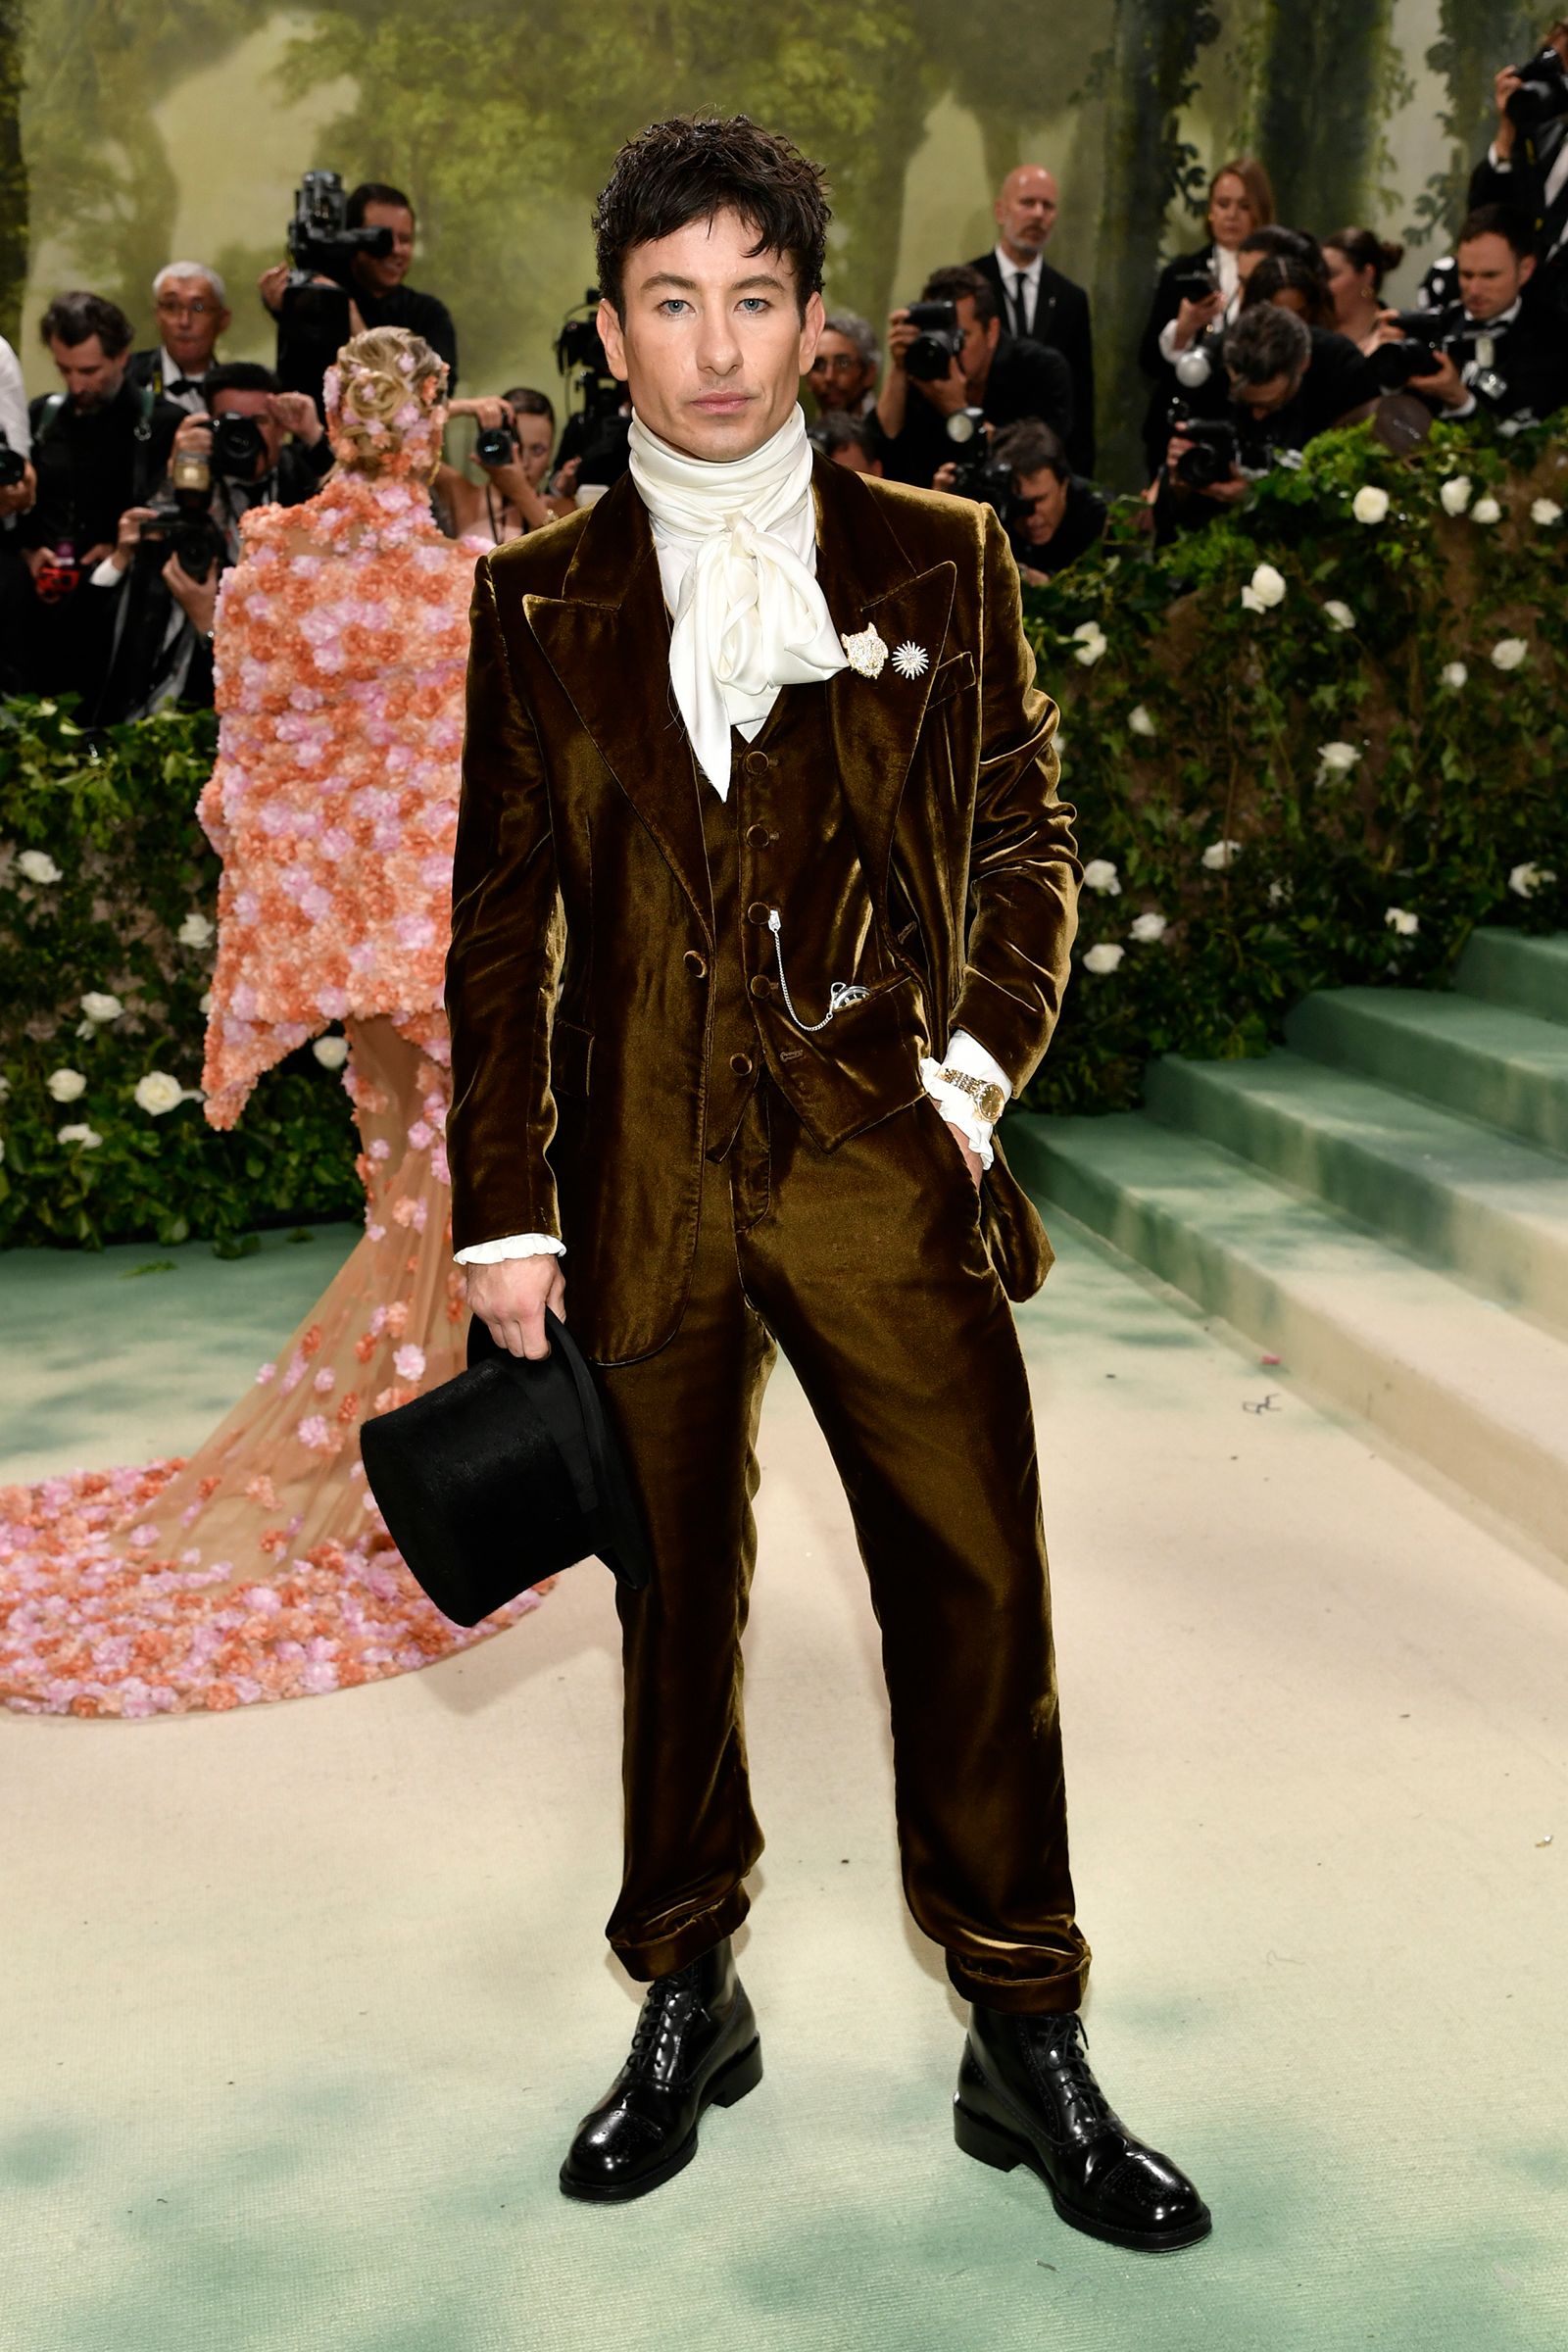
(1026, 2095)
(696, 2046)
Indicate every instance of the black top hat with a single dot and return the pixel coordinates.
(497, 1479)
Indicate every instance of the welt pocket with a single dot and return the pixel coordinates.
(570, 1054)
(951, 677)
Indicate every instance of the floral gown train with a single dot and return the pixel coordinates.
(260, 1568)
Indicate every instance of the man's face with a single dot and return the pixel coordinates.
(712, 345)
(1266, 399)
(840, 377)
(190, 320)
(379, 273)
(1491, 275)
(1043, 497)
(853, 459)
(980, 341)
(257, 405)
(1026, 209)
(87, 372)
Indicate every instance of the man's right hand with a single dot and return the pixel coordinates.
(509, 1301)
(271, 285)
(1504, 84)
(128, 537)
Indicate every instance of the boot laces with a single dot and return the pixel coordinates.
(1062, 2052)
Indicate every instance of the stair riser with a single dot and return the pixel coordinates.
(1518, 1264)
(1527, 1102)
(1503, 968)
(1486, 1458)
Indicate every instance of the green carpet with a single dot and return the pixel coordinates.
(303, 2001)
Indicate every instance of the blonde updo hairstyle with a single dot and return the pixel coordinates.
(385, 399)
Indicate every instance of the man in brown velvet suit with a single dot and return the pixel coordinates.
(762, 904)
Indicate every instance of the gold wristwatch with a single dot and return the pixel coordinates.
(984, 1093)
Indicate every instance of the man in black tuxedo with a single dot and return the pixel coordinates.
(191, 308)
(1526, 168)
(999, 375)
(1499, 351)
(1036, 303)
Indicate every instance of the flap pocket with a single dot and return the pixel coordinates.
(951, 677)
(570, 1053)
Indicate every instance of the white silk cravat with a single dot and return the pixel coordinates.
(749, 616)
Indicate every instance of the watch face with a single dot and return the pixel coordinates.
(961, 427)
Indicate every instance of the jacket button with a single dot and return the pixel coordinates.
(758, 764)
(741, 1064)
(756, 912)
(758, 836)
(695, 965)
(762, 984)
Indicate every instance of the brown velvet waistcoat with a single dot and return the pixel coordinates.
(580, 983)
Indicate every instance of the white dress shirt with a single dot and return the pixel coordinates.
(1011, 273)
(1556, 177)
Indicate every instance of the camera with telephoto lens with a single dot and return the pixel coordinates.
(238, 450)
(13, 464)
(989, 483)
(1395, 364)
(320, 242)
(1216, 452)
(495, 444)
(580, 347)
(940, 341)
(181, 523)
(1542, 92)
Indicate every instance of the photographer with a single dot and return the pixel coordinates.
(1526, 167)
(19, 488)
(254, 446)
(99, 445)
(517, 434)
(951, 372)
(1357, 261)
(351, 260)
(847, 441)
(191, 309)
(1286, 384)
(842, 375)
(1491, 351)
(1196, 294)
(1054, 514)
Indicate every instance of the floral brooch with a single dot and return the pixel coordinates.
(867, 650)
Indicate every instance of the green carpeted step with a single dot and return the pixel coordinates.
(1464, 1198)
(1465, 1385)
(1486, 1061)
(1507, 968)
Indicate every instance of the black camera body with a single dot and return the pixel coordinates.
(1194, 285)
(580, 347)
(938, 344)
(320, 242)
(181, 520)
(989, 483)
(1395, 364)
(495, 444)
(1216, 452)
(1542, 92)
(13, 464)
(239, 452)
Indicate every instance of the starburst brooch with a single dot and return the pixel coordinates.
(911, 660)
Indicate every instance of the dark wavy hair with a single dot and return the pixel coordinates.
(697, 166)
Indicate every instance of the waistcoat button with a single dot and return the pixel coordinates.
(741, 1064)
(762, 984)
(758, 836)
(756, 912)
(695, 965)
(758, 764)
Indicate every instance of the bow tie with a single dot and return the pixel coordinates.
(182, 383)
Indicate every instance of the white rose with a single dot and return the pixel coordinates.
(78, 1132)
(1454, 675)
(1508, 653)
(66, 1085)
(157, 1092)
(1139, 722)
(1090, 649)
(1337, 615)
(1525, 880)
(99, 1006)
(204, 1003)
(1105, 958)
(1398, 920)
(38, 866)
(1221, 853)
(195, 931)
(331, 1051)
(1268, 585)
(1545, 511)
(1486, 510)
(1338, 759)
(1148, 927)
(1251, 602)
(1370, 504)
(1280, 894)
(1455, 493)
(1086, 629)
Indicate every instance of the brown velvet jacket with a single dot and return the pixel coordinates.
(582, 919)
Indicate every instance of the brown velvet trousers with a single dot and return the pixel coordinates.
(866, 1266)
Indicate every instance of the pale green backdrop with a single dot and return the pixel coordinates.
(151, 128)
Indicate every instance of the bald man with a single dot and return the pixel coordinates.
(1037, 301)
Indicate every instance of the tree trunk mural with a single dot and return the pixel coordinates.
(13, 174)
(1324, 84)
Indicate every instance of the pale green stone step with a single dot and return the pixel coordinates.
(1465, 1197)
(1507, 968)
(1477, 1392)
(1488, 1061)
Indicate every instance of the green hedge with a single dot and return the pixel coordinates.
(1194, 721)
(1202, 723)
(116, 820)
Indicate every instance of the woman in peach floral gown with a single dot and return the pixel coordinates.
(260, 1568)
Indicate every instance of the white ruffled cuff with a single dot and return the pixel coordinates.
(512, 1244)
(966, 1053)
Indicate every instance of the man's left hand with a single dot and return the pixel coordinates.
(971, 1158)
(197, 599)
(297, 413)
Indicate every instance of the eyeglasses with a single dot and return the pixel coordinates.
(844, 364)
(173, 307)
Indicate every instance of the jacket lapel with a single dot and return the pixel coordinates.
(607, 638)
(867, 578)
